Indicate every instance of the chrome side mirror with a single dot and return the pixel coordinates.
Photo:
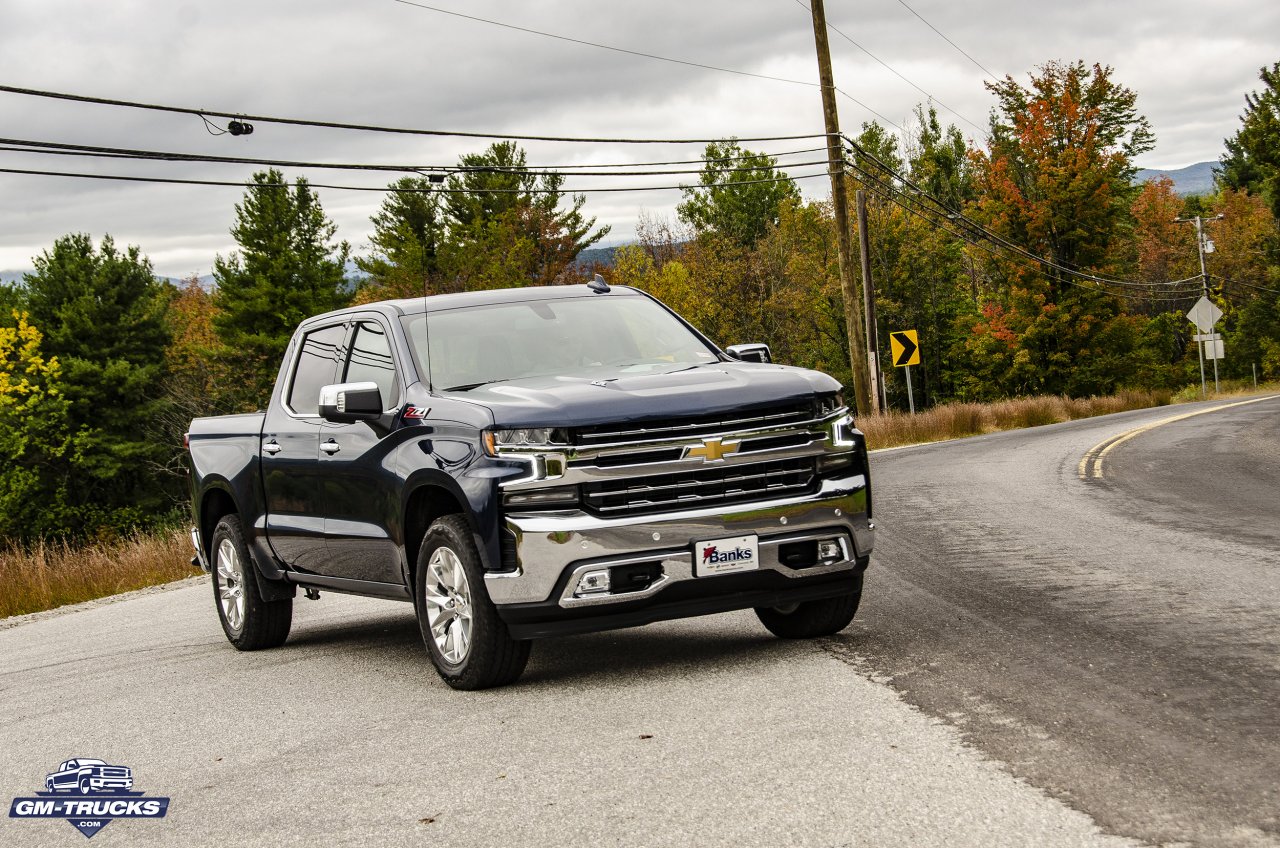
(343, 403)
(750, 352)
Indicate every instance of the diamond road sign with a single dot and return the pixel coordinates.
(1204, 315)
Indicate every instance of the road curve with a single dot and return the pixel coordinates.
(1113, 638)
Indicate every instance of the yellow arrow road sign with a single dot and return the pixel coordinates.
(904, 348)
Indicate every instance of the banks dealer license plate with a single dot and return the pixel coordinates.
(725, 556)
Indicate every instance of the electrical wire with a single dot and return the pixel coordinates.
(386, 189)
(892, 70)
(337, 125)
(955, 214)
(1254, 286)
(586, 43)
(993, 77)
(889, 193)
(64, 149)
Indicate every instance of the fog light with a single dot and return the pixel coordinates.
(829, 549)
(593, 583)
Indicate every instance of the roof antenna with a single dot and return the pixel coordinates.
(598, 285)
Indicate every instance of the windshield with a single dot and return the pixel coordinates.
(473, 346)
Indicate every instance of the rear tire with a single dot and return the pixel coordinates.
(468, 642)
(251, 624)
(812, 619)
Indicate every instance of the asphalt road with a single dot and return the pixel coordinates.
(1113, 639)
(1040, 660)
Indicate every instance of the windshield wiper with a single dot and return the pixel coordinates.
(466, 387)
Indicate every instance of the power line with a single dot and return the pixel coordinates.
(981, 66)
(1024, 258)
(64, 149)
(955, 214)
(893, 70)
(600, 46)
(338, 125)
(1243, 283)
(386, 189)
(642, 54)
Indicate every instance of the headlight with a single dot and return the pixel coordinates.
(827, 404)
(527, 437)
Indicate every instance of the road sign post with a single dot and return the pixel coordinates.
(904, 347)
(1204, 315)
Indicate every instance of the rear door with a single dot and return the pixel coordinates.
(291, 470)
(362, 493)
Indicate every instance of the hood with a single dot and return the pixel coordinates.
(586, 400)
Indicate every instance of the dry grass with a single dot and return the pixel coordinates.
(50, 575)
(956, 420)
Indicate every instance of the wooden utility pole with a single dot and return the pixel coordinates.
(840, 201)
(869, 301)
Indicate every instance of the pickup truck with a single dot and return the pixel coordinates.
(529, 463)
(88, 776)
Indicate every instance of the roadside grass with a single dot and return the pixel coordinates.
(958, 420)
(47, 575)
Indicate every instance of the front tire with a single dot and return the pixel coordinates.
(468, 642)
(812, 619)
(251, 624)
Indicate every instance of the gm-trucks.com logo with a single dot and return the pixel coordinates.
(90, 794)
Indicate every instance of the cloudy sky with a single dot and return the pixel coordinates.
(387, 63)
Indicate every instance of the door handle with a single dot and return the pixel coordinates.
(272, 447)
(330, 447)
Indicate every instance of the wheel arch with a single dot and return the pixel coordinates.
(216, 503)
(428, 500)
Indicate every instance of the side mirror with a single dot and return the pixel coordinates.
(343, 403)
(750, 352)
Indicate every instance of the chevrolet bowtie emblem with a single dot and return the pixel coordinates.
(711, 450)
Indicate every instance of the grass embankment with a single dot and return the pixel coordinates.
(48, 575)
(957, 420)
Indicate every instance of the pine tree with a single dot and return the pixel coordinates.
(288, 269)
(102, 313)
(739, 194)
(407, 232)
(1252, 160)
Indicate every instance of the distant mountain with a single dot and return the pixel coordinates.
(10, 277)
(593, 255)
(1193, 179)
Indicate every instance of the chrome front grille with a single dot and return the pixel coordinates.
(725, 484)
(676, 428)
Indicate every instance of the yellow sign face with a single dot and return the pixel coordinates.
(904, 348)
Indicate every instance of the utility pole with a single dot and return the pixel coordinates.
(1204, 288)
(840, 202)
(869, 302)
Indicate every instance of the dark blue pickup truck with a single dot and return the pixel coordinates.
(529, 463)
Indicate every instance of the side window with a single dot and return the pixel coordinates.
(370, 360)
(317, 364)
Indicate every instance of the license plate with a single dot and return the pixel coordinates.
(725, 556)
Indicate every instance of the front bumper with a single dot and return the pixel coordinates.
(553, 549)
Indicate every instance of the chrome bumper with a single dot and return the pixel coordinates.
(547, 545)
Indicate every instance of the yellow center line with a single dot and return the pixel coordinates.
(1099, 452)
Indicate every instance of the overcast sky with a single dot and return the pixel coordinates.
(382, 62)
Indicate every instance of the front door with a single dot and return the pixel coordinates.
(291, 470)
(362, 497)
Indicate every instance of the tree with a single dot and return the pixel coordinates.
(103, 314)
(38, 443)
(1057, 180)
(289, 268)
(407, 233)
(506, 226)
(739, 194)
(1252, 160)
